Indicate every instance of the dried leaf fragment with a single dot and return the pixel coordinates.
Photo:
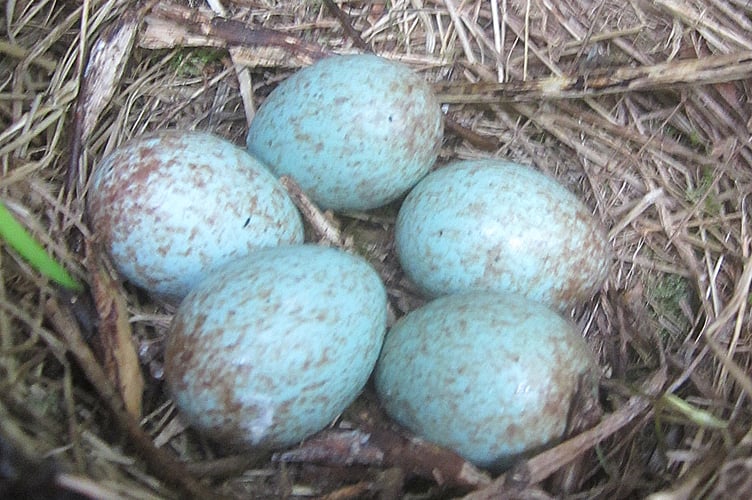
(104, 69)
(120, 359)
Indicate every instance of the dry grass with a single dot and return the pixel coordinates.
(666, 166)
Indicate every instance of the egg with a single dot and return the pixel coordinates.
(272, 347)
(489, 375)
(355, 131)
(172, 205)
(499, 226)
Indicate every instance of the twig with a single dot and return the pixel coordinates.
(320, 223)
(479, 141)
(703, 71)
(344, 21)
(379, 446)
(226, 33)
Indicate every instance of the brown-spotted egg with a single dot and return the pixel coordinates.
(272, 347)
(499, 226)
(491, 376)
(355, 131)
(171, 206)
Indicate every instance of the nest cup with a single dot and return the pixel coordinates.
(641, 111)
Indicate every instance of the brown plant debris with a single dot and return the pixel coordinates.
(104, 69)
(172, 24)
(386, 447)
(604, 81)
(115, 337)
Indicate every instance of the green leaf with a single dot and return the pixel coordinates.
(22, 242)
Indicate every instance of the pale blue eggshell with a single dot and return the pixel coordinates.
(355, 132)
(171, 206)
(488, 375)
(271, 348)
(498, 226)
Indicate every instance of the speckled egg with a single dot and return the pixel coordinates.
(498, 226)
(354, 131)
(271, 348)
(171, 206)
(491, 376)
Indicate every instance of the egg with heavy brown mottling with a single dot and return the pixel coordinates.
(491, 376)
(355, 131)
(499, 226)
(171, 206)
(272, 347)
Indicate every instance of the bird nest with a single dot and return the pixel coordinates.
(640, 108)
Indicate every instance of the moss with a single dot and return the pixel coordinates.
(367, 241)
(191, 62)
(665, 294)
(703, 193)
(696, 140)
(692, 139)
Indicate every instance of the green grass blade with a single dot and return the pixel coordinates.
(22, 242)
(697, 415)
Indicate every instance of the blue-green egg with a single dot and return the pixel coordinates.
(499, 226)
(355, 131)
(171, 206)
(491, 376)
(272, 347)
